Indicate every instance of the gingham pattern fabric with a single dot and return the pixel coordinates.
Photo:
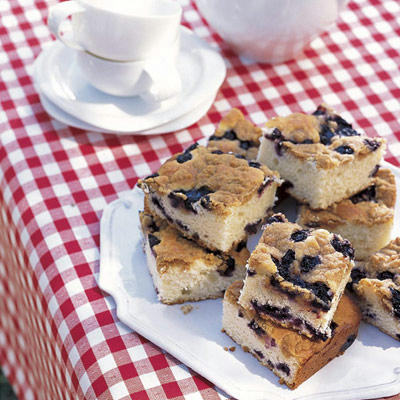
(59, 335)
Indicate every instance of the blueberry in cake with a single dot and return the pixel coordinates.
(321, 155)
(236, 135)
(182, 270)
(292, 357)
(365, 219)
(213, 198)
(296, 276)
(376, 284)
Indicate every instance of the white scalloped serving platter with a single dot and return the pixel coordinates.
(370, 368)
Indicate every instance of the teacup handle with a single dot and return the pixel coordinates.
(58, 20)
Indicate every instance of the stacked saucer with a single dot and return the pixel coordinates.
(69, 82)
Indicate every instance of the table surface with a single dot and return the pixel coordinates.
(59, 335)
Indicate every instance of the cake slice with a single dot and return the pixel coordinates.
(213, 198)
(182, 270)
(365, 219)
(376, 284)
(292, 357)
(236, 135)
(321, 156)
(296, 276)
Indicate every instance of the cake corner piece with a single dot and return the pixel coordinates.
(211, 197)
(182, 270)
(376, 284)
(321, 155)
(365, 219)
(236, 135)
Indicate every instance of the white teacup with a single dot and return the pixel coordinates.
(154, 79)
(123, 30)
(269, 30)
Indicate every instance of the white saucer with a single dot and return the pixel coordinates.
(180, 123)
(56, 76)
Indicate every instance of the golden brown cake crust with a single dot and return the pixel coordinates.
(386, 259)
(231, 181)
(236, 135)
(295, 259)
(175, 251)
(297, 127)
(310, 354)
(356, 210)
(380, 288)
(244, 129)
(325, 139)
(348, 318)
(381, 275)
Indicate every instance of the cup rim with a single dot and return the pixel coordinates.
(176, 10)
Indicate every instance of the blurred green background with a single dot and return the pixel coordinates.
(6, 391)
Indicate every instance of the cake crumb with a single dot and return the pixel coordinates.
(233, 348)
(187, 308)
(225, 348)
(223, 330)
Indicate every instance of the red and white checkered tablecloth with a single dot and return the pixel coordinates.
(59, 335)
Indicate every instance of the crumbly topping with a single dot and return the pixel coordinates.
(172, 250)
(290, 342)
(380, 288)
(374, 205)
(385, 260)
(297, 127)
(236, 135)
(243, 129)
(381, 274)
(324, 138)
(223, 180)
(186, 308)
(308, 263)
(233, 146)
(385, 183)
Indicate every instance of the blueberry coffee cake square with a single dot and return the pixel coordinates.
(213, 198)
(321, 156)
(365, 219)
(236, 135)
(292, 357)
(182, 270)
(296, 276)
(376, 284)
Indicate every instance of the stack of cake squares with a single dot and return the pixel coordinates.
(285, 303)
(199, 209)
(335, 173)
(290, 311)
